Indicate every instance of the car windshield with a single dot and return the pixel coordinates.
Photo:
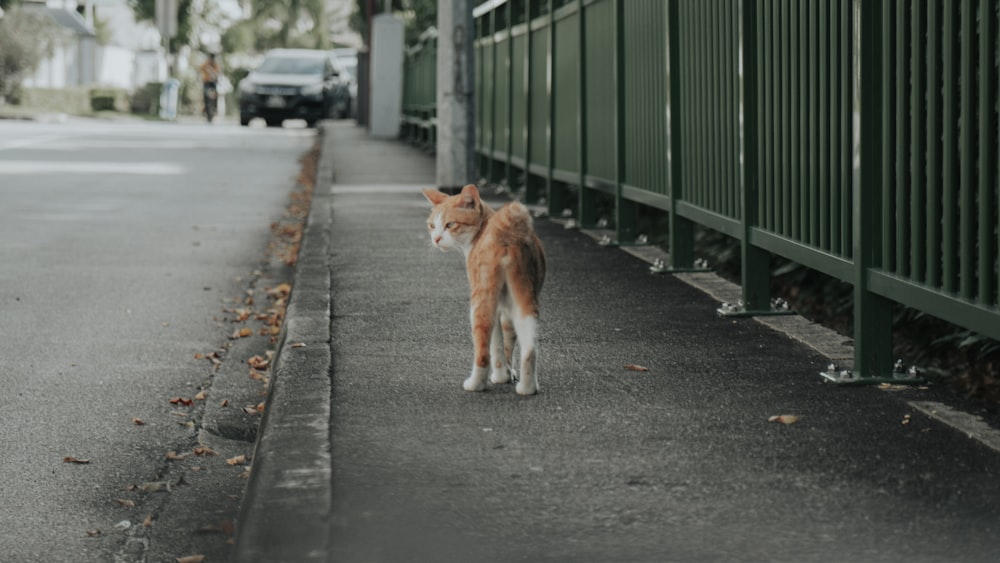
(291, 65)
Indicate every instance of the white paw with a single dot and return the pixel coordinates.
(474, 384)
(526, 388)
(500, 376)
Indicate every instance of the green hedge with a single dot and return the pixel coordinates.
(66, 100)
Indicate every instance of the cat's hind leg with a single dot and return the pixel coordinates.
(527, 335)
(501, 350)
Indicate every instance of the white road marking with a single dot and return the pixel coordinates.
(50, 167)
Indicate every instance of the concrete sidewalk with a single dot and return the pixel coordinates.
(370, 450)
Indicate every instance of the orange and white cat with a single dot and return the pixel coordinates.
(506, 267)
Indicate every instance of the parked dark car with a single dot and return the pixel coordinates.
(289, 84)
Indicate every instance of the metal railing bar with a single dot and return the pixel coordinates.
(969, 314)
(819, 260)
(987, 153)
(932, 239)
(918, 116)
(949, 257)
(966, 201)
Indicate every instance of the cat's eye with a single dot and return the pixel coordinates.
(450, 225)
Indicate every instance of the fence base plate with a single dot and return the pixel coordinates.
(736, 310)
(847, 377)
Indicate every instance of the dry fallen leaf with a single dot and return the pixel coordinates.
(204, 451)
(280, 291)
(784, 418)
(174, 456)
(238, 460)
(148, 522)
(76, 460)
(242, 333)
(635, 367)
(200, 396)
(224, 403)
(250, 409)
(299, 345)
(138, 421)
(181, 401)
(127, 503)
(155, 486)
(257, 362)
(93, 533)
(191, 559)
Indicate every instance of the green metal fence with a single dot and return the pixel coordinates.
(419, 122)
(856, 138)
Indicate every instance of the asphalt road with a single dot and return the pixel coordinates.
(120, 245)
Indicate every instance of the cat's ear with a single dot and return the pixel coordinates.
(470, 197)
(434, 196)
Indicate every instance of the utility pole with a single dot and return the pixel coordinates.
(455, 94)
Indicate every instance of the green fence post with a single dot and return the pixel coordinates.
(681, 235)
(873, 361)
(625, 210)
(556, 195)
(756, 262)
(530, 188)
(586, 207)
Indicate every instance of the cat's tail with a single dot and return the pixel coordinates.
(519, 216)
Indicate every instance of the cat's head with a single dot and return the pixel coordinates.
(454, 220)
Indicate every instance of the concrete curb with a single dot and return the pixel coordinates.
(286, 506)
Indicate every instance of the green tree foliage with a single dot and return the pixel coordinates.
(145, 10)
(417, 15)
(286, 23)
(25, 40)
